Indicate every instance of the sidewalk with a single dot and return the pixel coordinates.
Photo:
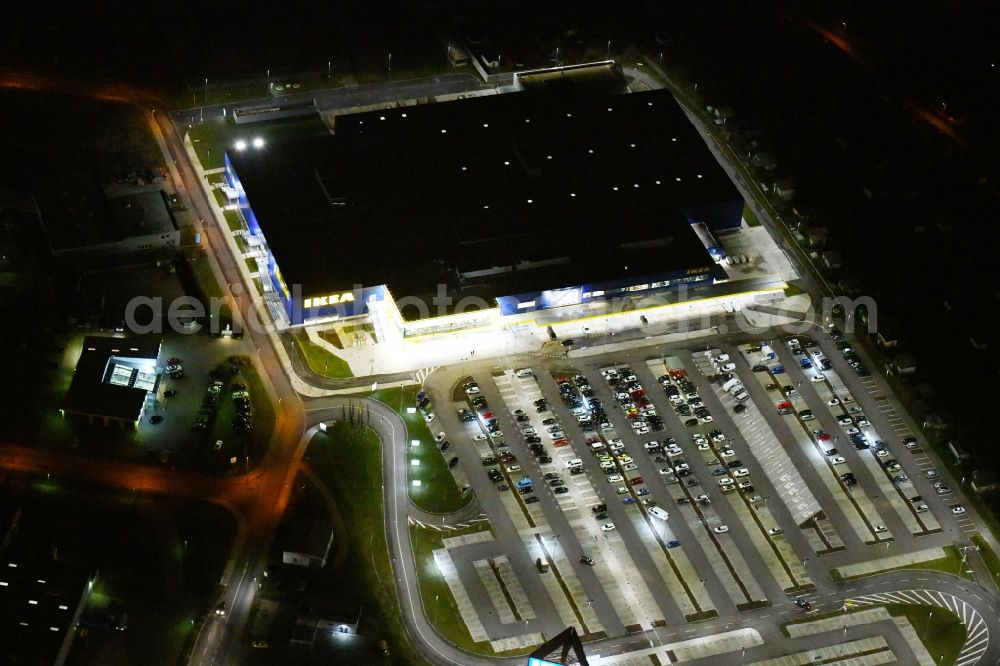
(893, 562)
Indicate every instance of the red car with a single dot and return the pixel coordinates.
(634, 481)
(562, 441)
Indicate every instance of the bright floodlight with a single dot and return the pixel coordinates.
(241, 145)
(258, 142)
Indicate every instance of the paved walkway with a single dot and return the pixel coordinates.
(696, 648)
(892, 562)
(843, 653)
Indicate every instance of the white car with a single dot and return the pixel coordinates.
(845, 421)
(607, 464)
(703, 447)
(429, 418)
(958, 510)
(608, 527)
(629, 467)
(719, 438)
(726, 481)
(513, 468)
(833, 402)
(883, 453)
(837, 460)
(720, 529)
(615, 478)
(706, 419)
(880, 528)
(728, 488)
(666, 471)
(816, 378)
(817, 353)
(727, 453)
(642, 430)
(862, 422)
(744, 484)
(920, 508)
(479, 437)
(471, 390)
(728, 367)
(774, 531)
(702, 498)
(682, 467)
(741, 472)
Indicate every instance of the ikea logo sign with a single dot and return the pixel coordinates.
(329, 299)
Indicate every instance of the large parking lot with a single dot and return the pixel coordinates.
(722, 482)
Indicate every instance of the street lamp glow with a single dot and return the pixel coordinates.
(258, 142)
(241, 145)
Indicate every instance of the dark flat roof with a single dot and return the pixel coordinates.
(142, 214)
(412, 196)
(89, 393)
(76, 213)
(37, 603)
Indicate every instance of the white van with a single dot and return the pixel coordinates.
(575, 462)
(721, 358)
(741, 396)
(730, 384)
(657, 512)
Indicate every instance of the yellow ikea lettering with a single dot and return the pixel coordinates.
(329, 299)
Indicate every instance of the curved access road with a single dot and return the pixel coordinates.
(393, 434)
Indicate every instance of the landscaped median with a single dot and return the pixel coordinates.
(319, 360)
(990, 558)
(947, 559)
(429, 482)
(347, 458)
